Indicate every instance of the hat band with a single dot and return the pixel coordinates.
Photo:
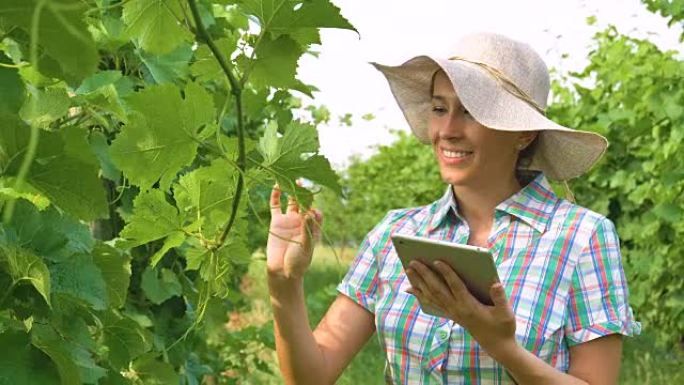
(507, 83)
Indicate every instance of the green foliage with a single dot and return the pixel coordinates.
(636, 101)
(60, 44)
(674, 9)
(133, 190)
(162, 134)
(290, 158)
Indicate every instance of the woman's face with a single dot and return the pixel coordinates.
(469, 153)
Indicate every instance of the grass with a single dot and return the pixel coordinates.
(643, 363)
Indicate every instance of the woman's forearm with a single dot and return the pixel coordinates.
(528, 369)
(301, 359)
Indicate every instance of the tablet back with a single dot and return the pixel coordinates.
(474, 265)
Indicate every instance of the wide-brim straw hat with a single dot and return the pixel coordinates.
(504, 84)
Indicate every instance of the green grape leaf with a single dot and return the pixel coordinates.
(99, 145)
(23, 364)
(206, 193)
(306, 36)
(293, 156)
(205, 66)
(70, 351)
(161, 137)
(194, 254)
(155, 24)
(24, 267)
(154, 372)
(174, 239)
(160, 285)
(44, 107)
(275, 63)
(52, 235)
(13, 90)
(14, 137)
(27, 192)
(64, 170)
(79, 277)
(46, 339)
(170, 67)
(125, 339)
(286, 16)
(66, 47)
(115, 378)
(269, 144)
(116, 272)
(107, 100)
(153, 218)
(98, 80)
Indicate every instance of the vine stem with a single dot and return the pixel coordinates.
(35, 132)
(236, 90)
(23, 171)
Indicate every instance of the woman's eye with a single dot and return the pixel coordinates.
(438, 109)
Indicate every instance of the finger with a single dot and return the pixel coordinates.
(498, 294)
(292, 206)
(454, 282)
(435, 291)
(318, 215)
(415, 279)
(416, 293)
(275, 200)
(435, 286)
(307, 223)
(316, 219)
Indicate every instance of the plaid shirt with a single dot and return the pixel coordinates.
(559, 263)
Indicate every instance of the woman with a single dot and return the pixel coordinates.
(561, 307)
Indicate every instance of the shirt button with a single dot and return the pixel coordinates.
(443, 335)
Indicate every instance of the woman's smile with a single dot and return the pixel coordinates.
(454, 157)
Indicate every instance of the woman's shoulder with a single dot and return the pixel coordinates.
(407, 220)
(579, 220)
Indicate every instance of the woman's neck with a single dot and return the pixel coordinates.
(477, 203)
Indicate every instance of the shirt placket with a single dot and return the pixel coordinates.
(437, 356)
(438, 351)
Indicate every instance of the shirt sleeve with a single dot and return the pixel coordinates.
(598, 298)
(361, 281)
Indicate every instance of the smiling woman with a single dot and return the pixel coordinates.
(562, 303)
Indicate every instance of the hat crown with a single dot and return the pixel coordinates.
(518, 61)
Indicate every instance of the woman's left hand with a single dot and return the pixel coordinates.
(492, 326)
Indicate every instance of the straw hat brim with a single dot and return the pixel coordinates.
(562, 153)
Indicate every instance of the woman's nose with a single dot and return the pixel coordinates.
(452, 126)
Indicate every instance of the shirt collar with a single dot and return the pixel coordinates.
(533, 204)
(441, 208)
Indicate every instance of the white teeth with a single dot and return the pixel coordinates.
(455, 154)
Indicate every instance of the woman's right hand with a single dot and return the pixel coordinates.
(290, 239)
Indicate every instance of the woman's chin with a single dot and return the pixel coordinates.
(455, 177)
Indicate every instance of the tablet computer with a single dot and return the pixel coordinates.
(474, 265)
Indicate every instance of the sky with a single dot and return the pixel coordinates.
(392, 31)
